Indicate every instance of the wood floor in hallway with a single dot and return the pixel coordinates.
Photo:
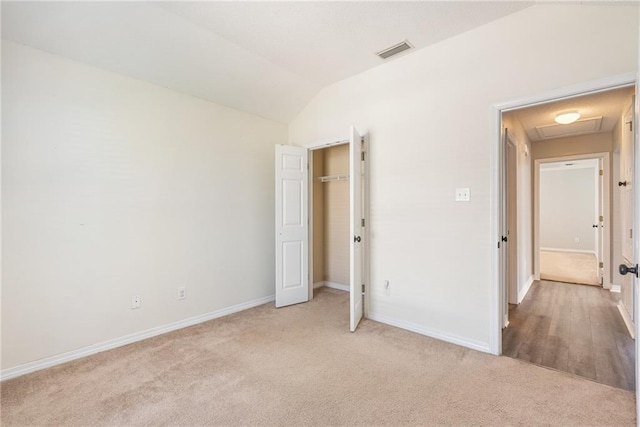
(572, 328)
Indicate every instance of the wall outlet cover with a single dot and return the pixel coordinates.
(463, 194)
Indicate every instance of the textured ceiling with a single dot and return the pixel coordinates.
(607, 104)
(265, 58)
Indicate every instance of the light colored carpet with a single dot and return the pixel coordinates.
(300, 366)
(569, 267)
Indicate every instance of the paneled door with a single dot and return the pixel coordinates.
(292, 225)
(355, 199)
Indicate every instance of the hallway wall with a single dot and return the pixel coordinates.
(568, 209)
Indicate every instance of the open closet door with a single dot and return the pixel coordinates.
(635, 135)
(292, 225)
(355, 183)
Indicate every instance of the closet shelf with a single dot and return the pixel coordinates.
(328, 178)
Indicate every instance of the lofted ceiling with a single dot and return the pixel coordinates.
(266, 58)
(599, 112)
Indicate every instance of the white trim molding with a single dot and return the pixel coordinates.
(576, 251)
(627, 319)
(332, 285)
(525, 289)
(450, 338)
(339, 286)
(59, 359)
(615, 288)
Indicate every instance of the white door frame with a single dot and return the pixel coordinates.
(365, 212)
(497, 293)
(606, 224)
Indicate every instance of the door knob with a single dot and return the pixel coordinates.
(595, 226)
(356, 239)
(622, 183)
(624, 269)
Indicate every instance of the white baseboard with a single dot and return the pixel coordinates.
(626, 318)
(128, 339)
(525, 289)
(338, 286)
(577, 251)
(317, 285)
(615, 288)
(453, 339)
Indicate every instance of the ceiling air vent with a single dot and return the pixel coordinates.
(394, 50)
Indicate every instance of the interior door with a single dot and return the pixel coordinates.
(635, 134)
(292, 225)
(355, 220)
(627, 205)
(503, 258)
(511, 244)
(599, 220)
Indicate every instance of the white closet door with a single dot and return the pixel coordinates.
(292, 225)
(356, 260)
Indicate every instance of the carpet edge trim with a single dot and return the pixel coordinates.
(69, 356)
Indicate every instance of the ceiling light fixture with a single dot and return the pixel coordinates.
(566, 118)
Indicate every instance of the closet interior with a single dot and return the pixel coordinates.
(330, 216)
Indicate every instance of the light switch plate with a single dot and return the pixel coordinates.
(462, 194)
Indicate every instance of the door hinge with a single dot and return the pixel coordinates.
(363, 288)
(362, 156)
(601, 172)
(362, 223)
(601, 218)
(601, 264)
(362, 139)
(630, 123)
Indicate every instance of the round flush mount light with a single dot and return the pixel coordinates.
(566, 118)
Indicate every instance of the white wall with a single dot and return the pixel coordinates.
(429, 115)
(113, 187)
(568, 209)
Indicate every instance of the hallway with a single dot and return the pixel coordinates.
(572, 328)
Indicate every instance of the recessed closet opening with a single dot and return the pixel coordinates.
(330, 259)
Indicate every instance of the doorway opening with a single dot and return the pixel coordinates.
(558, 200)
(321, 233)
(570, 219)
(330, 217)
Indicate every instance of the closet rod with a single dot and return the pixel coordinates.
(328, 178)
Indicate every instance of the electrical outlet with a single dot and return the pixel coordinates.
(463, 194)
(135, 301)
(182, 292)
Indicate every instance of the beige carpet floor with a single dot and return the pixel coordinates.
(569, 267)
(300, 366)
